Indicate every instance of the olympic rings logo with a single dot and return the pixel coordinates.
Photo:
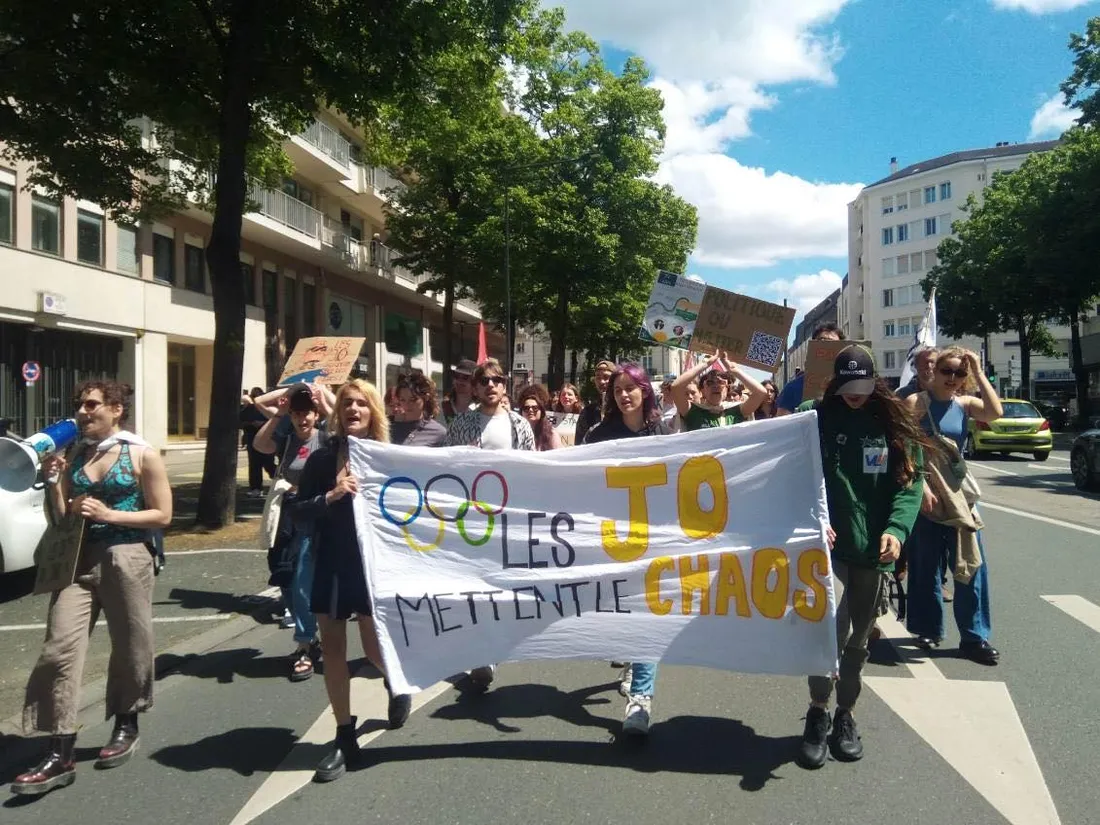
(470, 498)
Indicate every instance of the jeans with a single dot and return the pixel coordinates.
(643, 677)
(932, 548)
(858, 595)
(297, 596)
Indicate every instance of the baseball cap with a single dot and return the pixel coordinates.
(464, 367)
(610, 366)
(854, 369)
(301, 400)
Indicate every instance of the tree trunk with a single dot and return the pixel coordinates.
(573, 367)
(1080, 374)
(217, 494)
(1023, 331)
(558, 327)
(448, 322)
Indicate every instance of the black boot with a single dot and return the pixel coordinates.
(57, 770)
(400, 706)
(845, 741)
(814, 748)
(123, 743)
(345, 753)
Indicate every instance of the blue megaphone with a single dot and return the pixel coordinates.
(20, 458)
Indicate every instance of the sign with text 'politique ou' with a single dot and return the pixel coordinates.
(750, 331)
(704, 549)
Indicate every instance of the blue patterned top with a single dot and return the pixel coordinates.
(119, 490)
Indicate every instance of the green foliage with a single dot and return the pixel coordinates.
(1082, 87)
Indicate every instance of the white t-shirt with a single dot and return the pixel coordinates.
(496, 431)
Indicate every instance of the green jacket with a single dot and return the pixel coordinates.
(865, 501)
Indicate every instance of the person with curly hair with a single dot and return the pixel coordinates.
(533, 403)
(415, 423)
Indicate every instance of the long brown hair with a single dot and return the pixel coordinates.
(543, 429)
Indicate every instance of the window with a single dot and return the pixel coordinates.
(887, 297)
(945, 191)
(901, 202)
(887, 206)
(248, 276)
(887, 236)
(164, 258)
(929, 227)
(890, 360)
(647, 363)
(981, 177)
(296, 190)
(521, 347)
(914, 198)
(930, 194)
(89, 238)
(903, 232)
(931, 259)
(7, 203)
(290, 311)
(309, 309)
(888, 329)
(126, 256)
(904, 328)
(916, 262)
(888, 267)
(1013, 343)
(944, 223)
(45, 225)
(194, 268)
(903, 265)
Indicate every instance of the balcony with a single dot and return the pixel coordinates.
(320, 153)
(283, 209)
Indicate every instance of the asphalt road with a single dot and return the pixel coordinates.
(232, 741)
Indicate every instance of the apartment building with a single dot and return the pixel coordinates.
(531, 362)
(894, 229)
(87, 297)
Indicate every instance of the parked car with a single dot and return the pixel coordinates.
(1056, 414)
(22, 523)
(1084, 460)
(1022, 429)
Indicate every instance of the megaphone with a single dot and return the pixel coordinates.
(19, 458)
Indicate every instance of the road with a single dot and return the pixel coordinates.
(232, 741)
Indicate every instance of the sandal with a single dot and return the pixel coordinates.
(301, 667)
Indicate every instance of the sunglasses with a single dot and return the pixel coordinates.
(529, 408)
(950, 373)
(90, 405)
(486, 380)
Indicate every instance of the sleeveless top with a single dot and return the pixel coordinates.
(950, 419)
(119, 490)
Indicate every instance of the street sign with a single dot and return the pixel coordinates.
(1014, 372)
(32, 371)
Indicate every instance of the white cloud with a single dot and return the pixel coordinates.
(1052, 118)
(804, 292)
(749, 218)
(1040, 6)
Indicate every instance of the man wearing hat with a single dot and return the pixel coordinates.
(461, 397)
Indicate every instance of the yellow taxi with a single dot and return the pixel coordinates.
(1022, 429)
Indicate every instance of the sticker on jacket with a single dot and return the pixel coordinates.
(875, 459)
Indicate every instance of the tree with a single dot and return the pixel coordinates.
(224, 81)
(1082, 87)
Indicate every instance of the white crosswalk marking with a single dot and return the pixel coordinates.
(1079, 608)
(992, 469)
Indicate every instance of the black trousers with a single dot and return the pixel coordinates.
(257, 464)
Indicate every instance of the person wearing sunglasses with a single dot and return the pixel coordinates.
(533, 402)
(944, 411)
(461, 398)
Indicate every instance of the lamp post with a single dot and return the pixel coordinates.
(507, 171)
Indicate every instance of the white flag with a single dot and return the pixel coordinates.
(923, 336)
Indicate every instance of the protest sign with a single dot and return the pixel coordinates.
(671, 548)
(751, 331)
(321, 360)
(58, 554)
(565, 424)
(820, 356)
(673, 307)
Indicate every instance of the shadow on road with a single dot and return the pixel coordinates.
(530, 702)
(223, 603)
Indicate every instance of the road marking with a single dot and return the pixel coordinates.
(992, 469)
(1079, 608)
(1068, 525)
(1058, 458)
(1044, 467)
(369, 698)
(178, 553)
(920, 666)
(216, 617)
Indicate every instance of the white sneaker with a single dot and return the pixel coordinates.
(625, 679)
(636, 722)
(287, 621)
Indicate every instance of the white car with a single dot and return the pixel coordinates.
(22, 523)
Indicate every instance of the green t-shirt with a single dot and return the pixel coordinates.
(700, 418)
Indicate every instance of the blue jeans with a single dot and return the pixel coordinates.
(930, 545)
(642, 679)
(296, 597)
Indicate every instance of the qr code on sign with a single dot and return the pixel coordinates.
(764, 349)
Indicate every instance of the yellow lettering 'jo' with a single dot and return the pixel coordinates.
(657, 605)
(696, 522)
(636, 480)
(813, 566)
(770, 600)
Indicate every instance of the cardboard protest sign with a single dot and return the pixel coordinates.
(820, 356)
(672, 549)
(751, 331)
(566, 426)
(321, 360)
(58, 554)
(673, 307)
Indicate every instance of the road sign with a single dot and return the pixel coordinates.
(32, 371)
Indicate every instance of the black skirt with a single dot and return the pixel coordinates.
(339, 581)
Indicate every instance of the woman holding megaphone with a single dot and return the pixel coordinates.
(118, 483)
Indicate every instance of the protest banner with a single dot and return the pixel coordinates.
(58, 553)
(321, 360)
(673, 548)
(820, 356)
(672, 309)
(751, 331)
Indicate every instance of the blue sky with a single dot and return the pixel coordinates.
(778, 110)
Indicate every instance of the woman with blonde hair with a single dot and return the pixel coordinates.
(325, 494)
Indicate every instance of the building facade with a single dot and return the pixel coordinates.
(531, 362)
(894, 229)
(87, 297)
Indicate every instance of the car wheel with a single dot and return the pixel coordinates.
(969, 450)
(1079, 468)
(1041, 456)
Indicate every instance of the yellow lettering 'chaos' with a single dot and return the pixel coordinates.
(636, 480)
(731, 585)
(770, 600)
(696, 522)
(694, 577)
(813, 566)
(657, 605)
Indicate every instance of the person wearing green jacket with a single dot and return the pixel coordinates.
(871, 456)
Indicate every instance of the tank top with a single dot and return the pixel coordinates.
(119, 489)
(950, 419)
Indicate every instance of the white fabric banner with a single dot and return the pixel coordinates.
(923, 336)
(705, 548)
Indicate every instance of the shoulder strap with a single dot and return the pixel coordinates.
(926, 399)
